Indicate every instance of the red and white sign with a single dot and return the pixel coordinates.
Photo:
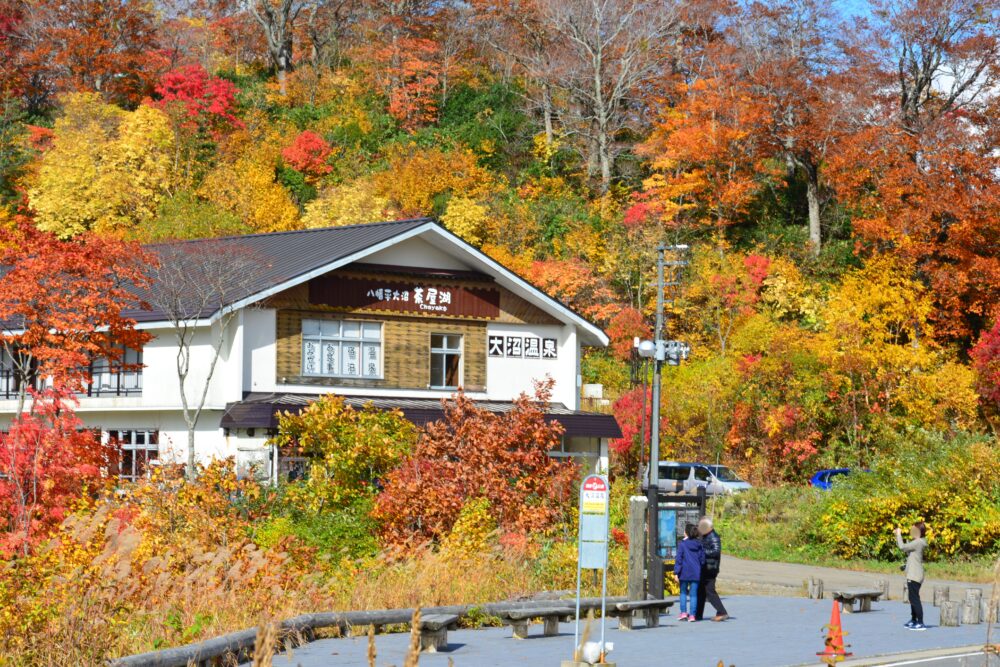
(594, 495)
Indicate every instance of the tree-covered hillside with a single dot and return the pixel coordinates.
(835, 177)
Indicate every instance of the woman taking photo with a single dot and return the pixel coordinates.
(914, 550)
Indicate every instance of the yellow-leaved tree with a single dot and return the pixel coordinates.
(883, 358)
(416, 177)
(466, 218)
(350, 204)
(108, 169)
(247, 187)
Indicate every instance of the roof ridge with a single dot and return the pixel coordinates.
(422, 219)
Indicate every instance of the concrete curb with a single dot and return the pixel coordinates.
(895, 658)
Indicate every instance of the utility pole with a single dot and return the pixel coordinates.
(671, 352)
(654, 565)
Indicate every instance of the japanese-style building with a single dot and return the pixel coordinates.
(397, 314)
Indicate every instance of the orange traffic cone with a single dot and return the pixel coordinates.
(835, 636)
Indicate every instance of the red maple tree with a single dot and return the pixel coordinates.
(308, 154)
(204, 98)
(63, 305)
(473, 453)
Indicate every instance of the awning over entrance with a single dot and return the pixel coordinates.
(258, 410)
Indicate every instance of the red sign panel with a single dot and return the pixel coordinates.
(594, 483)
(405, 296)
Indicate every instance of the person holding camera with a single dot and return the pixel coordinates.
(914, 569)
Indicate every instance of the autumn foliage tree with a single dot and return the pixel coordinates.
(349, 450)
(85, 46)
(63, 304)
(986, 361)
(107, 170)
(922, 171)
(472, 453)
(308, 154)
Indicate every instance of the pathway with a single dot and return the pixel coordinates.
(764, 632)
(751, 576)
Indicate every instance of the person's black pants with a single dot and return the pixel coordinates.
(916, 608)
(707, 593)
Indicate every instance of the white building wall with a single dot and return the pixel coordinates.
(418, 253)
(210, 440)
(259, 350)
(506, 377)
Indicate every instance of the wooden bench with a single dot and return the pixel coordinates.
(864, 596)
(519, 619)
(650, 609)
(434, 631)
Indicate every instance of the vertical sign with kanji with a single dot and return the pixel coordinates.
(595, 493)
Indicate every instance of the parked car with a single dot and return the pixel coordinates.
(687, 477)
(824, 478)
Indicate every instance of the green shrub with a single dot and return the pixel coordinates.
(951, 483)
(349, 451)
(348, 532)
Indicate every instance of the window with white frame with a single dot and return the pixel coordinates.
(342, 348)
(138, 448)
(446, 361)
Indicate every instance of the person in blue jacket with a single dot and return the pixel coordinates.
(689, 561)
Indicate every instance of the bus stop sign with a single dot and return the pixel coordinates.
(594, 523)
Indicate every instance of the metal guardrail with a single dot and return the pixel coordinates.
(240, 644)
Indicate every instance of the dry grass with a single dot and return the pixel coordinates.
(97, 592)
(266, 644)
(412, 658)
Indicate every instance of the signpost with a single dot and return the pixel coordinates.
(592, 545)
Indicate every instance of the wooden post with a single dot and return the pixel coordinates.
(883, 585)
(941, 594)
(972, 609)
(949, 614)
(814, 588)
(987, 611)
(637, 547)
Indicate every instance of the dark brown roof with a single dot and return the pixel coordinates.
(278, 256)
(260, 410)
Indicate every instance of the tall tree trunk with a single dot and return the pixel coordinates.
(190, 470)
(284, 65)
(604, 155)
(812, 199)
(547, 113)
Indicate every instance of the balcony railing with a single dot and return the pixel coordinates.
(103, 382)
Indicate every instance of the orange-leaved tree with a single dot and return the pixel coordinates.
(472, 453)
(705, 154)
(63, 305)
(921, 171)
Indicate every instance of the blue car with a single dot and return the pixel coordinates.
(824, 478)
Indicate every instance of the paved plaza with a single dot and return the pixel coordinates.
(763, 632)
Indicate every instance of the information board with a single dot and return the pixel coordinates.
(593, 541)
(594, 522)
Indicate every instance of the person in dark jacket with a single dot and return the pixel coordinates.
(688, 562)
(712, 544)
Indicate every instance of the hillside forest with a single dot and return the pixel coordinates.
(834, 170)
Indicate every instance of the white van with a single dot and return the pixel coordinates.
(678, 477)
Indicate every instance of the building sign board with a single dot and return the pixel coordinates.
(411, 296)
(526, 347)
